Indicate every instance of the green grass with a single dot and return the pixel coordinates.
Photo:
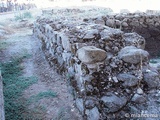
(153, 61)
(3, 44)
(24, 15)
(14, 85)
(41, 95)
(60, 115)
(158, 55)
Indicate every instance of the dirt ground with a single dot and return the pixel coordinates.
(21, 41)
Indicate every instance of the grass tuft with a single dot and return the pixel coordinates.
(153, 61)
(41, 95)
(3, 44)
(21, 16)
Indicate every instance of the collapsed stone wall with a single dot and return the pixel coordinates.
(145, 24)
(108, 68)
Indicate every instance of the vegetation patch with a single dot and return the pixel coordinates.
(153, 61)
(14, 85)
(24, 15)
(3, 44)
(41, 95)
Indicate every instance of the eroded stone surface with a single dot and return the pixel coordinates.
(129, 80)
(91, 54)
(133, 55)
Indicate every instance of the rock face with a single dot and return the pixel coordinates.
(91, 54)
(133, 55)
(105, 66)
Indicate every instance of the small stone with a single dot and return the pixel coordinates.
(115, 79)
(110, 22)
(118, 23)
(128, 91)
(93, 114)
(89, 104)
(80, 45)
(89, 88)
(138, 99)
(139, 91)
(79, 104)
(124, 24)
(90, 34)
(65, 43)
(100, 20)
(59, 49)
(158, 68)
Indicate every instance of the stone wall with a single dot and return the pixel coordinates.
(145, 24)
(107, 68)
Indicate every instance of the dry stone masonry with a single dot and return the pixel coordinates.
(107, 68)
(145, 24)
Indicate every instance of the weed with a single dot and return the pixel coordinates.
(27, 14)
(21, 16)
(153, 61)
(61, 115)
(3, 44)
(64, 113)
(41, 95)
(158, 54)
(14, 85)
(36, 113)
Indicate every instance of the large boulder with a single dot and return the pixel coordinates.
(133, 55)
(91, 54)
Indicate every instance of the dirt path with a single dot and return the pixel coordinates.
(46, 108)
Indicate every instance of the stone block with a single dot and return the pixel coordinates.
(91, 54)
(133, 55)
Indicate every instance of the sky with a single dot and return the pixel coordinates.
(116, 5)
